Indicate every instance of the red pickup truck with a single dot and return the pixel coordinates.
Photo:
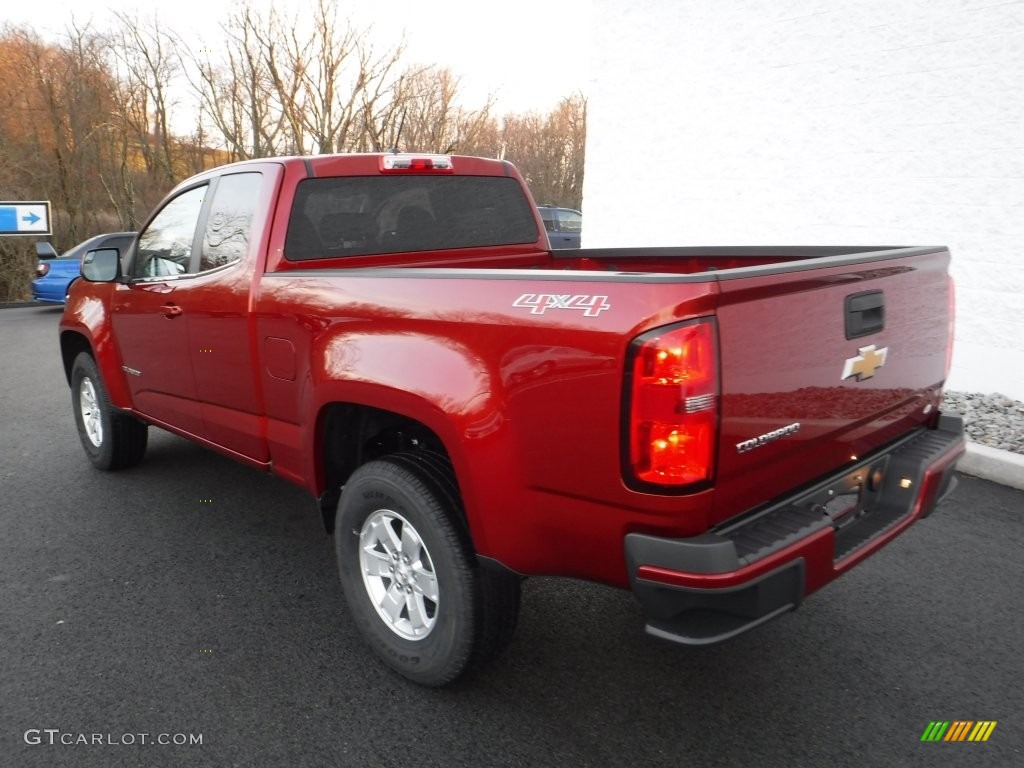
(720, 430)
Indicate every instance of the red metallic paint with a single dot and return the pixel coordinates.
(446, 352)
(86, 323)
(783, 347)
(528, 406)
(156, 344)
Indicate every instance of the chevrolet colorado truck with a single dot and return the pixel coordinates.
(722, 431)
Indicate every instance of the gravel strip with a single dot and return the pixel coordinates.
(993, 420)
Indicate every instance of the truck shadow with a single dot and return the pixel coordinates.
(244, 565)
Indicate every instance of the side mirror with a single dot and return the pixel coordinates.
(102, 265)
(45, 251)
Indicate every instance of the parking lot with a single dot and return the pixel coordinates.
(192, 595)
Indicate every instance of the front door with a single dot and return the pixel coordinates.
(150, 316)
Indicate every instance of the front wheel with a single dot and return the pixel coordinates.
(409, 573)
(111, 439)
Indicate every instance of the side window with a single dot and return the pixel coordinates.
(226, 239)
(165, 248)
(569, 221)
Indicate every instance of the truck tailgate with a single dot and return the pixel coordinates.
(820, 366)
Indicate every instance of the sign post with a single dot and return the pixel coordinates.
(25, 217)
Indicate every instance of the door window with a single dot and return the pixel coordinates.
(226, 238)
(165, 247)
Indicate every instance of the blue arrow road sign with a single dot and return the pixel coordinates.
(25, 218)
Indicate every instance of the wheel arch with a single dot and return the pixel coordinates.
(350, 434)
(95, 339)
(72, 344)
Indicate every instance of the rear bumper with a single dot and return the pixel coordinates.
(708, 588)
(53, 291)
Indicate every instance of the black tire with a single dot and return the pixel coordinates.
(111, 439)
(418, 490)
(500, 590)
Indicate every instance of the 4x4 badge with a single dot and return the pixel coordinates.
(865, 363)
(539, 303)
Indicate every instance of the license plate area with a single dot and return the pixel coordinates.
(849, 504)
(859, 505)
(850, 499)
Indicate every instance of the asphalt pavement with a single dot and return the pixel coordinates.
(193, 597)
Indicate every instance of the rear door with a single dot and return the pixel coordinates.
(819, 366)
(221, 345)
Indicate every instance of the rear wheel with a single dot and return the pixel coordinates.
(409, 573)
(500, 590)
(111, 439)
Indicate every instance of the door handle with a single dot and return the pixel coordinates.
(170, 311)
(865, 313)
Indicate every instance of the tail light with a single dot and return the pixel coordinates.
(42, 269)
(672, 407)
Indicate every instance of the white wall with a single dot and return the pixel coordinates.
(813, 122)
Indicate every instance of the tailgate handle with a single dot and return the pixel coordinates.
(865, 313)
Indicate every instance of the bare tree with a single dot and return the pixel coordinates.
(549, 151)
(146, 65)
(239, 95)
(291, 86)
(69, 93)
(87, 122)
(52, 136)
(424, 114)
(341, 78)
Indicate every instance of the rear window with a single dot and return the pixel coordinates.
(361, 215)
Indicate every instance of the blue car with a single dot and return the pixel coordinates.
(54, 274)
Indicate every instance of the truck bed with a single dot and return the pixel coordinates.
(542, 351)
(695, 260)
(631, 264)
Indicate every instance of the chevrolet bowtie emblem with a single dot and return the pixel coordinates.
(864, 365)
